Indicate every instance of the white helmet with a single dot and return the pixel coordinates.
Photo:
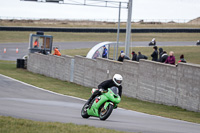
(117, 78)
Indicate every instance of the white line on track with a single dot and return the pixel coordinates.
(46, 90)
(41, 88)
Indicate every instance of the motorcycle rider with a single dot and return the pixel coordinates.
(115, 81)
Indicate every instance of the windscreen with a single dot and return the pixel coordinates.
(115, 90)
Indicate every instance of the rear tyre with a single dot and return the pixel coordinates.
(84, 113)
(105, 113)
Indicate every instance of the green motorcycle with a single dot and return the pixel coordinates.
(103, 105)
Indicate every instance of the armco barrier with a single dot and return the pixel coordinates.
(144, 80)
(100, 30)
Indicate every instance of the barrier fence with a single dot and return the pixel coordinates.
(145, 80)
(102, 30)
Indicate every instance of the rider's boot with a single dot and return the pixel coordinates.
(97, 92)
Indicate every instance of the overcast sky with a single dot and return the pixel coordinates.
(142, 9)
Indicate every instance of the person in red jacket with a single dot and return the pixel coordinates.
(171, 58)
(36, 43)
(56, 52)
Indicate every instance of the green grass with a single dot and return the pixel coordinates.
(52, 23)
(9, 69)
(13, 125)
(16, 36)
(191, 53)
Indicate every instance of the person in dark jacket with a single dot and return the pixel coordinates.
(134, 58)
(182, 59)
(105, 52)
(140, 56)
(43, 51)
(164, 57)
(160, 54)
(154, 55)
(171, 58)
(122, 57)
(115, 81)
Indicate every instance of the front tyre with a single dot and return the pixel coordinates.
(84, 113)
(105, 113)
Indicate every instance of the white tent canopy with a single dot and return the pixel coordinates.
(97, 50)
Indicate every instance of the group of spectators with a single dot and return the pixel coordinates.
(135, 57)
(43, 51)
(162, 56)
(56, 51)
(158, 56)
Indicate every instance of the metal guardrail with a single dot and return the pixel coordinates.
(101, 30)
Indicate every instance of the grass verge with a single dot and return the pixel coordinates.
(92, 24)
(17, 36)
(191, 53)
(13, 125)
(9, 69)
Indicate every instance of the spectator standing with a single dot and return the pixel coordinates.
(171, 58)
(56, 51)
(105, 52)
(164, 57)
(140, 56)
(122, 57)
(154, 55)
(160, 54)
(134, 58)
(182, 59)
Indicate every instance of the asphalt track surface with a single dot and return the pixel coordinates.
(23, 47)
(21, 100)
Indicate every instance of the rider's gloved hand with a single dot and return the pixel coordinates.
(101, 90)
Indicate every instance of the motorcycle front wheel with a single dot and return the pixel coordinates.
(84, 113)
(105, 113)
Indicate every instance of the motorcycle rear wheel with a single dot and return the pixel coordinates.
(84, 113)
(105, 113)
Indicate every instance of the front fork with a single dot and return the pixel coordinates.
(107, 103)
